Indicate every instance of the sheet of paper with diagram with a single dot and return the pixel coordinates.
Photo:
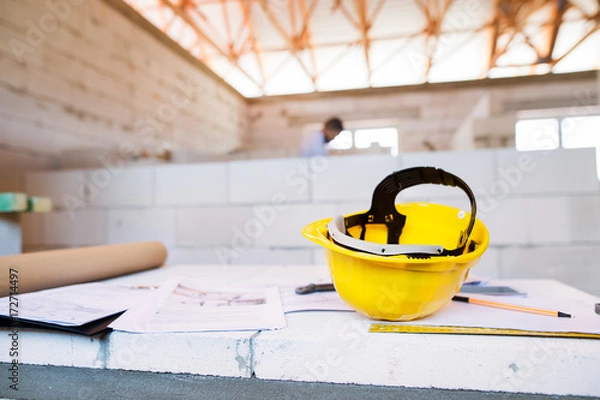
(184, 305)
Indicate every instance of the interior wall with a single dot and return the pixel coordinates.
(78, 75)
(542, 209)
(428, 117)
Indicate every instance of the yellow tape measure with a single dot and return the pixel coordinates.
(469, 330)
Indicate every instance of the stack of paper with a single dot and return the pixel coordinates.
(179, 305)
(86, 308)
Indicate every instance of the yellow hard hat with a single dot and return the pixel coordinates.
(400, 262)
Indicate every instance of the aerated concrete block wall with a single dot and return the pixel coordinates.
(542, 208)
(92, 74)
(427, 117)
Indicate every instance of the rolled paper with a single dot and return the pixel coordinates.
(30, 272)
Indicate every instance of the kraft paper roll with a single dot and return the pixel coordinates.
(49, 269)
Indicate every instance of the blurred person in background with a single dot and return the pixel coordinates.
(314, 144)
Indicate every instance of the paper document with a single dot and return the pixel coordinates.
(184, 305)
(72, 305)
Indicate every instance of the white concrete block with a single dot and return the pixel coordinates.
(318, 257)
(574, 265)
(564, 219)
(75, 229)
(476, 168)
(506, 221)
(488, 265)
(141, 225)
(46, 348)
(548, 220)
(344, 352)
(458, 203)
(270, 256)
(350, 178)
(65, 188)
(202, 255)
(554, 171)
(192, 184)
(584, 219)
(266, 181)
(53, 348)
(206, 353)
(127, 186)
(88, 351)
(284, 228)
(352, 207)
(217, 226)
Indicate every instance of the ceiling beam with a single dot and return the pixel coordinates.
(201, 34)
(338, 5)
(181, 13)
(495, 34)
(206, 22)
(377, 10)
(292, 15)
(434, 16)
(246, 6)
(227, 25)
(594, 29)
(307, 13)
(362, 9)
(511, 24)
(264, 4)
(559, 9)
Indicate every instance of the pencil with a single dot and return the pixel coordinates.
(513, 307)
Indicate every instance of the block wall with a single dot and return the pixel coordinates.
(542, 209)
(78, 75)
(427, 117)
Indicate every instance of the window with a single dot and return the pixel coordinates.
(382, 137)
(343, 141)
(568, 132)
(537, 134)
(386, 139)
(580, 132)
